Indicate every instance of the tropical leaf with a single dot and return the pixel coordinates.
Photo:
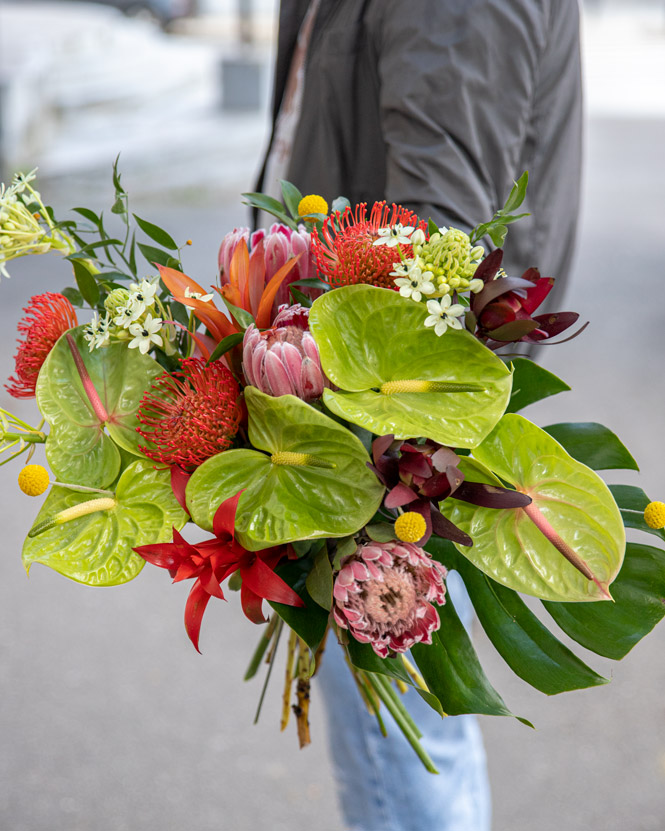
(593, 444)
(532, 383)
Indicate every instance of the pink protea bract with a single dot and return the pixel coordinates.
(383, 595)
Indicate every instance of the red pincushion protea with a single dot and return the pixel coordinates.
(190, 415)
(48, 316)
(344, 249)
(384, 593)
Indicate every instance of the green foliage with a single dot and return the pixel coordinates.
(497, 227)
(593, 445)
(367, 336)
(532, 383)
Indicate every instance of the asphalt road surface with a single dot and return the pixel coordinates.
(110, 721)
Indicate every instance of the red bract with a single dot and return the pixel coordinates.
(190, 415)
(344, 250)
(503, 310)
(48, 316)
(210, 562)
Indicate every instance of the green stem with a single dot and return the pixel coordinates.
(270, 666)
(261, 648)
(36, 437)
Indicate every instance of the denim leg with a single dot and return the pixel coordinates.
(382, 784)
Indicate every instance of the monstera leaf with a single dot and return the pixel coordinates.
(96, 549)
(395, 376)
(78, 450)
(312, 480)
(571, 506)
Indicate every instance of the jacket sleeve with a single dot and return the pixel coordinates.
(458, 82)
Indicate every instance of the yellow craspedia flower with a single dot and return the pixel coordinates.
(33, 480)
(654, 515)
(410, 527)
(312, 204)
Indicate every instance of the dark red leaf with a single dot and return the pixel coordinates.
(514, 331)
(251, 604)
(495, 289)
(179, 479)
(491, 496)
(443, 527)
(424, 508)
(444, 457)
(380, 445)
(398, 496)
(414, 463)
(488, 268)
(536, 295)
(557, 322)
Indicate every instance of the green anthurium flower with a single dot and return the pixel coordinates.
(396, 376)
(568, 544)
(308, 477)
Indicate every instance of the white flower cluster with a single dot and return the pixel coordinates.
(20, 231)
(127, 315)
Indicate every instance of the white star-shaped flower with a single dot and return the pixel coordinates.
(143, 292)
(130, 312)
(145, 334)
(442, 315)
(415, 283)
(195, 295)
(394, 235)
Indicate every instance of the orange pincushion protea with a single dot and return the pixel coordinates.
(345, 250)
(190, 415)
(48, 316)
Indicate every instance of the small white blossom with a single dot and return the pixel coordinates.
(415, 282)
(96, 333)
(442, 315)
(145, 334)
(128, 313)
(195, 295)
(143, 292)
(418, 237)
(394, 235)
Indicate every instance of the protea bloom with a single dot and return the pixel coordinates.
(383, 595)
(190, 415)
(284, 360)
(268, 252)
(210, 562)
(502, 312)
(48, 316)
(345, 251)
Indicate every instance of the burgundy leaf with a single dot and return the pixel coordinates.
(491, 496)
(556, 322)
(443, 527)
(424, 508)
(514, 331)
(380, 445)
(399, 495)
(488, 268)
(414, 463)
(495, 289)
(536, 295)
(444, 457)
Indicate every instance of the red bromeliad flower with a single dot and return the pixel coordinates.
(345, 251)
(48, 316)
(190, 415)
(212, 561)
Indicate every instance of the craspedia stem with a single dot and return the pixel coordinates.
(393, 387)
(75, 512)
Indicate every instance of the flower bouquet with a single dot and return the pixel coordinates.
(340, 414)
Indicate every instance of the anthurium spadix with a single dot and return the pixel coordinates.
(81, 394)
(307, 478)
(568, 544)
(395, 376)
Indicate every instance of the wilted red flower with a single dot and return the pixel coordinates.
(212, 561)
(48, 316)
(344, 249)
(384, 593)
(191, 414)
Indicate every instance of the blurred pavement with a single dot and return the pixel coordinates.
(109, 721)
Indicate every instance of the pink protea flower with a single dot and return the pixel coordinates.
(345, 252)
(383, 595)
(273, 248)
(284, 360)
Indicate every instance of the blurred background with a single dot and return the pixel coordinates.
(109, 721)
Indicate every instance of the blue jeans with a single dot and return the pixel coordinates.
(382, 785)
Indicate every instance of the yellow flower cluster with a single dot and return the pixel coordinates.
(312, 204)
(33, 480)
(410, 526)
(654, 515)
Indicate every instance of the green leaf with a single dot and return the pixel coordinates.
(340, 203)
(86, 282)
(77, 448)
(320, 579)
(432, 227)
(613, 629)
(632, 501)
(367, 336)
(452, 671)
(118, 207)
(271, 206)
(156, 255)
(299, 297)
(517, 194)
(525, 644)
(225, 344)
(381, 531)
(532, 383)
(333, 496)
(86, 213)
(74, 296)
(592, 444)
(241, 316)
(156, 233)
(291, 196)
(116, 176)
(97, 549)
(309, 622)
(509, 547)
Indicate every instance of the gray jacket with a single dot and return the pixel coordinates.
(439, 105)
